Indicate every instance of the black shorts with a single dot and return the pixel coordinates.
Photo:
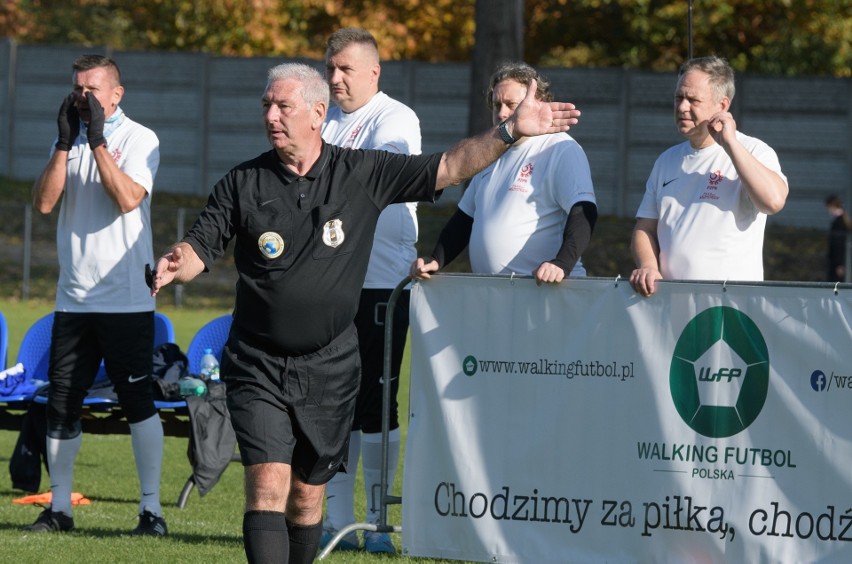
(370, 322)
(294, 410)
(79, 341)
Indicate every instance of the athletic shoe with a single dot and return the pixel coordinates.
(51, 522)
(150, 524)
(348, 542)
(378, 543)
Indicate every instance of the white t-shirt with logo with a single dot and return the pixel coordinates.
(383, 123)
(520, 204)
(103, 252)
(708, 228)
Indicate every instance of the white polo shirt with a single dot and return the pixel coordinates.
(383, 123)
(102, 252)
(520, 204)
(708, 228)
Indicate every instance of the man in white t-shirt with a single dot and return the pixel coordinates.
(365, 118)
(532, 212)
(102, 168)
(704, 211)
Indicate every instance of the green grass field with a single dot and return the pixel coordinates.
(207, 530)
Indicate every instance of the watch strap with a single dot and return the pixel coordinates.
(504, 133)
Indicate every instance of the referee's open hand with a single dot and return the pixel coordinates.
(165, 269)
(535, 117)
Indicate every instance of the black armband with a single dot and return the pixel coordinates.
(453, 239)
(578, 232)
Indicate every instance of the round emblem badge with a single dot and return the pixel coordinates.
(332, 233)
(271, 244)
(719, 375)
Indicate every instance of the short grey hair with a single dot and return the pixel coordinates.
(718, 70)
(314, 86)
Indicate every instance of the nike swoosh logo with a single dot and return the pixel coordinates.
(382, 379)
(667, 182)
(134, 379)
(268, 202)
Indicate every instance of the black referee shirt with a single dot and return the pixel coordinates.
(303, 242)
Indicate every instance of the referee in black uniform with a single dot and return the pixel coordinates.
(302, 218)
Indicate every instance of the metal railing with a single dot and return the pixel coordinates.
(383, 497)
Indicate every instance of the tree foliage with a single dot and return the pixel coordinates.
(780, 37)
(405, 29)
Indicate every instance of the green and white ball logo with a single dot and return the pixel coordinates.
(719, 374)
(469, 365)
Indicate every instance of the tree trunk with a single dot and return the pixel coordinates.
(499, 37)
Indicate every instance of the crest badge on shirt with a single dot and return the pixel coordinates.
(332, 233)
(271, 245)
(522, 180)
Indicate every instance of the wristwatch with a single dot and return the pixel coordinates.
(504, 133)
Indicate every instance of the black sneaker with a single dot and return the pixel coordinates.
(51, 522)
(150, 524)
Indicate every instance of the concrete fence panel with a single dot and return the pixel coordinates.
(206, 111)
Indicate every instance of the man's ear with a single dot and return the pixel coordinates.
(117, 95)
(318, 118)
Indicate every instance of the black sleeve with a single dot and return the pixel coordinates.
(453, 239)
(577, 234)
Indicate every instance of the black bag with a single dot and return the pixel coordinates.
(212, 440)
(30, 450)
(170, 365)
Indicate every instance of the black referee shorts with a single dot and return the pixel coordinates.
(294, 410)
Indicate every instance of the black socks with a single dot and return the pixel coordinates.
(268, 537)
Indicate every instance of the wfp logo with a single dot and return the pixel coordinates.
(470, 365)
(719, 376)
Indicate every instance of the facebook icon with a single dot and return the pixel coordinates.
(818, 381)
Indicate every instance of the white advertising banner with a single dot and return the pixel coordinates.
(583, 423)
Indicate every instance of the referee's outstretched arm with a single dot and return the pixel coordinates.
(180, 264)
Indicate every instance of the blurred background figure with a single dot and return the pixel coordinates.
(841, 225)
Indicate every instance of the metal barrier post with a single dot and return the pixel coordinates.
(28, 250)
(385, 498)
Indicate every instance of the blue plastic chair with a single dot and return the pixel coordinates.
(213, 335)
(4, 340)
(34, 354)
(164, 331)
(38, 354)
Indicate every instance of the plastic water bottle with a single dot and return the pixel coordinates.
(190, 386)
(209, 365)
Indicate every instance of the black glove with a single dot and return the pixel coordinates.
(96, 122)
(68, 122)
